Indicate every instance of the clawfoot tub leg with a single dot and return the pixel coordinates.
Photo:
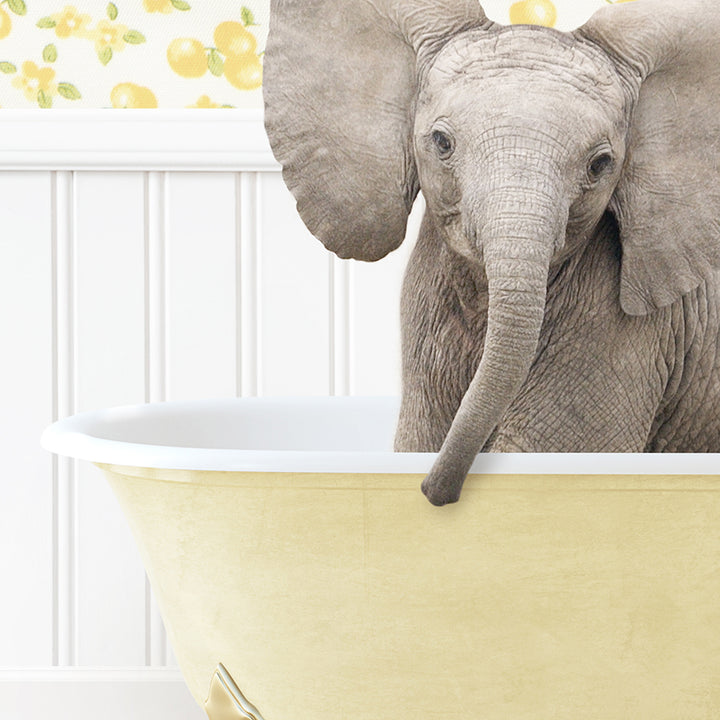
(226, 702)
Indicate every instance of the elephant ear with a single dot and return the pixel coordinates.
(668, 199)
(340, 80)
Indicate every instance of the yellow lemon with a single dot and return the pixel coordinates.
(130, 95)
(5, 24)
(244, 72)
(231, 38)
(186, 56)
(533, 12)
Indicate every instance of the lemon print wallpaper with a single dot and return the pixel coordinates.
(168, 53)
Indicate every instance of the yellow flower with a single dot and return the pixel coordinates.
(109, 35)
(34, 80)
(130, 95)
(71, 22)
(204, 102)
(163, 6)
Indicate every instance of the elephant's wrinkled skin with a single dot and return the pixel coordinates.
(601, 381)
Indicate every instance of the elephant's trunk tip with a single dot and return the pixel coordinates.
(444, 482)
(436, 494)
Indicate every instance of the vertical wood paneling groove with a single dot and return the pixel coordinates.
(256, 272)
(340, 331)
(248, 205)
(155, 287)
(331, 326)
(65, 403)
(351, 329)
(74, 530)
(155, 364)
(55, 530)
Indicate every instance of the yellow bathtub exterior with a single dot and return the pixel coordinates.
(349, 597)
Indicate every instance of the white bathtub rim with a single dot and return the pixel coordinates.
(73, 437)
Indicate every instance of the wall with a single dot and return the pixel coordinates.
(151, 257)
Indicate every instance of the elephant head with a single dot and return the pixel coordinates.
(520, 138)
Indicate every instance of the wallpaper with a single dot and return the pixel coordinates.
(167, 53)
(132, 53)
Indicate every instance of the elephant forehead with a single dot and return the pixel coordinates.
(532, 56)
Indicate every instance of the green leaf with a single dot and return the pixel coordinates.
(247, 16)
(44, 101)
(105, 55)
(17, 6)
(50, 53)
(134, 37)
(180, 4)
(112, 11)
(46, 22)
(69, 91)
(215, 63)
(7, 67)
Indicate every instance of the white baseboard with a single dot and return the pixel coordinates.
(90, 694)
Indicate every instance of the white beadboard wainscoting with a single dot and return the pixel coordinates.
(145, 256)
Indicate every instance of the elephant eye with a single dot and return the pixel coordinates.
(599, 165)
(443, 143)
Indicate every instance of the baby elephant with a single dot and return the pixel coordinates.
(564, 293)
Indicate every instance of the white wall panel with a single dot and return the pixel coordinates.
(200, 248)
(374, 317)
(294, 296)
(110, 358)
(26, 401)
(110, 288)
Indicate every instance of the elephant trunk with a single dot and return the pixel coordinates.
(517, 264)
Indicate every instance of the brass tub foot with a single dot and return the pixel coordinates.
(226, 702)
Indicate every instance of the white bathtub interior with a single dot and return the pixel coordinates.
(314, 424)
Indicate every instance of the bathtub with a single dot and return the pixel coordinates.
(302, 575)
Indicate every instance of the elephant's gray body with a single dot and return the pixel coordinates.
(601, 381)
(564, 292)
